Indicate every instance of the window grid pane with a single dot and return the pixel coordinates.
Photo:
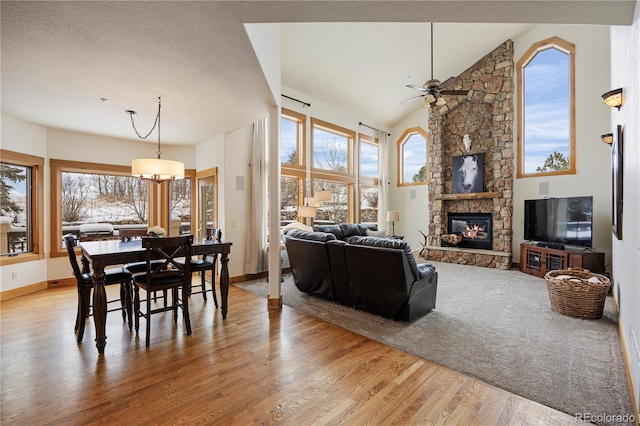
(89, 198)
(336, 210)
(180, 207)
(330, 151)
(368, 204)
(16, 205)
(289, 138)
(369, 159)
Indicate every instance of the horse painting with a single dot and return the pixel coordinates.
(467, 173)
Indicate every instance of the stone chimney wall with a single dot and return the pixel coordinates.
(486, 115)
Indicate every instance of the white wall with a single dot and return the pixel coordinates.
(625, 73)
(411, 201)
(236, 198)
(593, 163)
(20, 136)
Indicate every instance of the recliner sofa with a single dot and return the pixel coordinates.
(378, 275)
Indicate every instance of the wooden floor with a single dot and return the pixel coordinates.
(256, 367)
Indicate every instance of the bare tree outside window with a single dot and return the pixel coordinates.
(95, 198)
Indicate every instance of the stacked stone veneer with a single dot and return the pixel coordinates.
(486, 115)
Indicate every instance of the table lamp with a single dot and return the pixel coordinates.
(393, 217)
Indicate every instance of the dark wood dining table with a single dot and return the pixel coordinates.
(99, 254)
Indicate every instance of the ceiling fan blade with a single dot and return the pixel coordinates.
(413, 86)
(412, 99)
(454, 92)
(447, 82)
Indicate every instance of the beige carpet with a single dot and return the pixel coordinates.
(497, 326)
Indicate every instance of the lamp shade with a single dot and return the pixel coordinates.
(613, 98)
(393, 216)
(323, 195)
(306, 211)
(608, 138)
(157, 169)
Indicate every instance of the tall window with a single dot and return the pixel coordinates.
(292, 136)
(16, 206)
(368, 188)
(546, 111)
(333, 169)
(21, 212)
(412, 157)
(180, 207)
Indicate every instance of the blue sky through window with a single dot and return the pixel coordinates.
(546, 108)
(288, 139)
(368, 159)
(414, 156)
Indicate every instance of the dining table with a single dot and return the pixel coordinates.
(96, 255)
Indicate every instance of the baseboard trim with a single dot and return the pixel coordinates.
(627, 361)
(63, 282)
(21, 291)
(274, 303)
(627, 368)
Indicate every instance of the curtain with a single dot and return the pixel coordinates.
(383, 179)
(256, 241)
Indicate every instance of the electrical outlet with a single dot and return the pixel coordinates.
(14, 275)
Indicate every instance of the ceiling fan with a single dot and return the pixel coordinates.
(433, 89)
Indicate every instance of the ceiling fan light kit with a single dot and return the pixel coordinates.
(433, 89)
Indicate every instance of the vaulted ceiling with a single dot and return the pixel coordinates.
(59, 58)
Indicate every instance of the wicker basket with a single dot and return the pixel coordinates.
(577, 292)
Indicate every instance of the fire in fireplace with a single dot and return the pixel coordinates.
(475, 229)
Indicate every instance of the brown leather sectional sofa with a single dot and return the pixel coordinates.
(378, 275)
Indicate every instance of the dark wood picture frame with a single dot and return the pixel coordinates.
(616, 183)
(463, 181)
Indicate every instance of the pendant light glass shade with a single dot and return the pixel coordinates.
(156, 169)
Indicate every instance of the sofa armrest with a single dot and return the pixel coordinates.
(425, 269)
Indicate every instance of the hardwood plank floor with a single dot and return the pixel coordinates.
(257, 366)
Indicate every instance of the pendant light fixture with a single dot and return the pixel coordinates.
(155, 169)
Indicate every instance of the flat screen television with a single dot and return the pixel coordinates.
(566, 220)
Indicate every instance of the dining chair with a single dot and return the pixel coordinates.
(168, 274)
(205, 264)
(85, 285)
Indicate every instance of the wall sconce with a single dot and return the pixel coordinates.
(608, 138)
(613, 98)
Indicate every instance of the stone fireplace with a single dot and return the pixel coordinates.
(485, 119)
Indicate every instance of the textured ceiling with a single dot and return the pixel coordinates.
(59, 58)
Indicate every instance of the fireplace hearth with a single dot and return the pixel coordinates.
(476, 229)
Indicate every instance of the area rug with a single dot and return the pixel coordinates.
(498, 327)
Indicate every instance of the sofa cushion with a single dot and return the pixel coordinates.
(350, 229)
(315, 236)
(389, 243)
(334, 229)
(372, 233)
(364, 226)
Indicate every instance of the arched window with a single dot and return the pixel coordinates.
(412, 157)
(546, 109)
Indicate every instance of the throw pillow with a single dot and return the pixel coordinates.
(371, 233)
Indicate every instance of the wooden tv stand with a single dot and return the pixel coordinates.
(538, 261)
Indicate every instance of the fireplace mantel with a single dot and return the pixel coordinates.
(472, 196)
